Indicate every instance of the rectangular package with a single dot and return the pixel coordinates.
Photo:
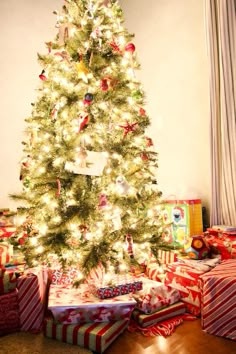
(70, 305)
(94, 336)
(32, 289)
(170, 311)
(8, 280)
(9, 313)
(219, 299)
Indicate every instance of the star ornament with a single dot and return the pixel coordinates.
(128, 128)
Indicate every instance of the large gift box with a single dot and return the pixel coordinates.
(70, 305)
(9, 313)
(185, 219)
(32, 289)
(8, 278)
(94, 336)
(154, 296)
(219, 299)
(185, 278)
(170, 311)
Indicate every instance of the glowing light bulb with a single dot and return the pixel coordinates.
(33, 241)
(40, 249)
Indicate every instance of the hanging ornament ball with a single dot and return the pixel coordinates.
(142, 111)
(130, 47)
(88, 98)
(42, 76)
(104, 85)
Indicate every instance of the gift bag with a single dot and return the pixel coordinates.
(184, 219)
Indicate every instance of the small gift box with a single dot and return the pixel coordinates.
(70, 305)
(94, 336)
(171, 311)
(120, 285)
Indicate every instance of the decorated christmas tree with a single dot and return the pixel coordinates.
(89, 191)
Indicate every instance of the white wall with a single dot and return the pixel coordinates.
(169, 37)
(170, 42)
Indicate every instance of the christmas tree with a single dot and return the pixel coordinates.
(89, 173)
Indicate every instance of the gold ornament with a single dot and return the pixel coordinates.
(82, 71)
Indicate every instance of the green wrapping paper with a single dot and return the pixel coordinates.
(94, 336)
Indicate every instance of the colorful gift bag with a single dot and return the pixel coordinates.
(145, 320)
(9, 313)
(32, 290)
(154, 296)
(94, 336)
(185, 279)
(8, 280)
(6, 252)
(70, 305)
(219, 299)
(185, 217)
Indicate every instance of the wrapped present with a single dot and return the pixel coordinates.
(224, 228)
(119, 285)
(9, 313)
(185, 279)
(154, 296)
(222, 244)
(6, 252)
(64, 277)
(184, 218)
(218, 300)
(70, 305)
(6, 217)
(94, 336)
(32, 290)
(7, 231)
(8, 279)
(170, 311)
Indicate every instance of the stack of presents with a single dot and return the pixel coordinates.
(198, 281)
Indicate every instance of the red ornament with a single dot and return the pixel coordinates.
(129, 242)
(42, 76)
(130, 47)
(58, 188)
(104, 85)
(83, 120)
(115, 46)
(144, 156)
(149, 142)
(128, 128)
(142, 111)
(102, 200)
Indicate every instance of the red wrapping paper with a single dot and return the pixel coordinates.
(186, 280)
(9, 313)
(94, 336)
(224, 243)
(32, 289)
(219, 299)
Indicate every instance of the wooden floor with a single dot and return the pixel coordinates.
(187, 339)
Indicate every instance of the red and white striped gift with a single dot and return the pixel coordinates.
(94, 336)
(219, 299)
(32, 289)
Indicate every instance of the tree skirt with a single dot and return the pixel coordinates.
(164, 328)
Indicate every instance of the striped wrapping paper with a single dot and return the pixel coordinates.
(32, 289)
(9, 313)
(7, 280)
(94, 336)
(6, 252)
(219, 299)
(168, 312)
